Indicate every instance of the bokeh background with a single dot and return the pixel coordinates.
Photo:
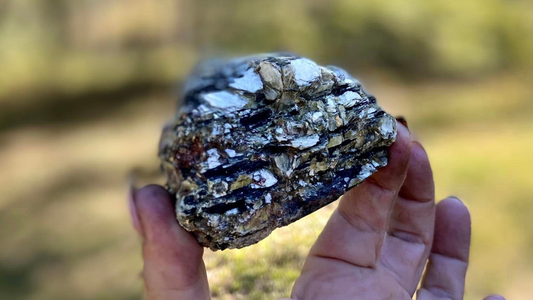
(86, 86)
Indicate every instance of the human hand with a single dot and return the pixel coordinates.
(375, 245)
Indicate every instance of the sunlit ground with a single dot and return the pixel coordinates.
(65, 230)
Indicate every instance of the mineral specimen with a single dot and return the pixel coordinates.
(263, 141)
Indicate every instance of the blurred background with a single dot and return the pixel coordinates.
(86, 86)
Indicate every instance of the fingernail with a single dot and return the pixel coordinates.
(415, 139)
(402, 120)
(456, 198)
(133, 209)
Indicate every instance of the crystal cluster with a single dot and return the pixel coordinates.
(262, 141)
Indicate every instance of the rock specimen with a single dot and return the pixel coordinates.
(263, 141)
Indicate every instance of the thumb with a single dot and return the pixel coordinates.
(173, 265)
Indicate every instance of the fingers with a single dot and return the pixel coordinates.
(448, 261)
(356, 230)
(410, 234)
(173, 266)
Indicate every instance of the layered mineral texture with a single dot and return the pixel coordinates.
(260, 142)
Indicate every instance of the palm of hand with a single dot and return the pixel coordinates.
(351, 282)
(375, 245)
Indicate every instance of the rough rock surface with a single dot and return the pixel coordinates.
(263, 141)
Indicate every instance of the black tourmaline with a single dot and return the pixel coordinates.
(262, 141)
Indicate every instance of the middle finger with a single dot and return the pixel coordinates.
(410, 234)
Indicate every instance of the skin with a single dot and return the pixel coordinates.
(376, 245)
